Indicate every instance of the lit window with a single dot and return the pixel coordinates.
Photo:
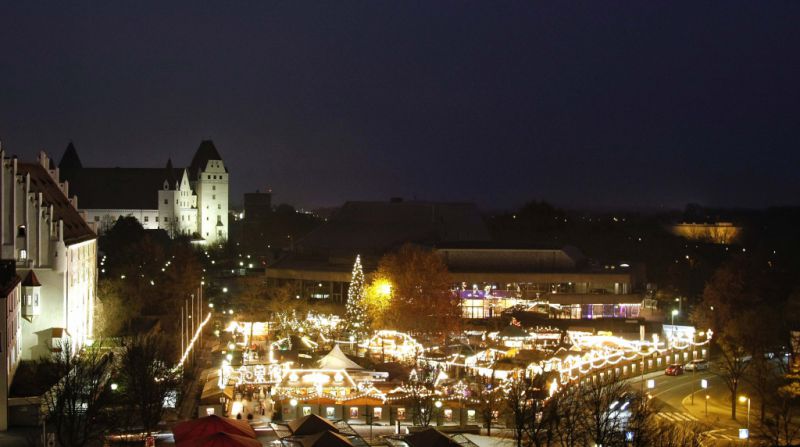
(23, 254)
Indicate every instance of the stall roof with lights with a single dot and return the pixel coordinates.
(336, 359)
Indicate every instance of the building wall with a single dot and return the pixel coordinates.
(104, 219)
(9, 343)
(211, 188)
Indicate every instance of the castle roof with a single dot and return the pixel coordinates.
(75, 228)
(117, 188)
(207, 151)
(70, 159)
(170, 175)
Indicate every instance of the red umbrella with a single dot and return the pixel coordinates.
(197, 428)
(220, 440)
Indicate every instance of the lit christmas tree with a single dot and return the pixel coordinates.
(356, 312)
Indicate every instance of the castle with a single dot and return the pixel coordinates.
(191, 201)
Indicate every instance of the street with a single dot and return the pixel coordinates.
(673, 396)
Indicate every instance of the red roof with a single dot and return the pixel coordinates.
(220, 439)
(197, 428)
(31, 280)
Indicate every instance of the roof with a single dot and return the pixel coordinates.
(196, 428)
(170, 175)
(512, 331)
(116, 188)
(220, 439)
(430, 437)
(207, 151)
(75, 228)
(337, 360)
(326, 439)
(310, 425)
(31, 280)
(70, 159)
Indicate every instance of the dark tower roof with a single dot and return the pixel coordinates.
(170, 176)
(207, 151)
(31, 280)
(70, 159)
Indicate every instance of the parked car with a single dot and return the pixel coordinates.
(696, 365)
(674, 370)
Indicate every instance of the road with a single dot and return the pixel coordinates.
(673, 396)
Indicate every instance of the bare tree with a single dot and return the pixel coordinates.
(602, 397)
(490, 398)
(567, 416)
(147, 379)
(76, 405)
(525, 400)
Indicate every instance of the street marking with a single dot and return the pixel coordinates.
(677, 417)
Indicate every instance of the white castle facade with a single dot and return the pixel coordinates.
(191, 201)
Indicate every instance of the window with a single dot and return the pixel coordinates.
(147, 218)
(97, 218)
(219, 206)
(353, 412)
(213, 188)
(156, 218)
(401, 414)
(23, 254)
(209, 177)
(166, 201)
(214, 197)
(21, 231)
(330, 412)
(377, 412)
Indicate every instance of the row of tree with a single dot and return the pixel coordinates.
(100, 390)
(752, 306)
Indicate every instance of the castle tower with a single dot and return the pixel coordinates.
(208, 177)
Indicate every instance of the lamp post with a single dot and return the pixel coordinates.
(438, 405)
(707, 396)
(674, 313)
(744, 399)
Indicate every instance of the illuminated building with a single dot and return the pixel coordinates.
(10, 332)
(54, 251)
(182, 201)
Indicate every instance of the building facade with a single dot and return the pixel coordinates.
(47, 243)
(191, 201)
(10, 332)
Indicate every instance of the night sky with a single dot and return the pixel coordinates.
(596, 104)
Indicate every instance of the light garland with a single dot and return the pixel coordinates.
(191, 343)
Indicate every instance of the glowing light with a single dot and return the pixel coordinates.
(192, 342)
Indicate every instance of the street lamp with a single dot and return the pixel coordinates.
(674, 313)
(707, 396)
(438, 405)
(744, 399)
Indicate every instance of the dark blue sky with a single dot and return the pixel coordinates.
(598, 103)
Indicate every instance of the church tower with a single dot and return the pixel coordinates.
(209, 180)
